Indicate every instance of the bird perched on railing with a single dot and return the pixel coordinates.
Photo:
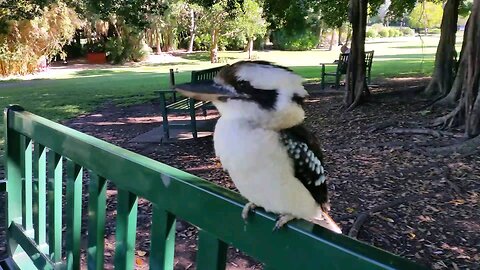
(274, 161)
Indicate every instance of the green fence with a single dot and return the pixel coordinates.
(44, 159)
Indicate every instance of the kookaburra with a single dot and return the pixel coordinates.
(274, 161)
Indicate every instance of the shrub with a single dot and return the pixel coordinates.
(391, 32)
(377, 26)
(24, 43)
(384, 32)
(372, 33)
(407, 31)
(294, 42)
(130, 46)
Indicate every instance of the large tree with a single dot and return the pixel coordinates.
(467, 111)
(356, 85)
(442, 78)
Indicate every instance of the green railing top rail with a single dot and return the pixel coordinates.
(212, 208)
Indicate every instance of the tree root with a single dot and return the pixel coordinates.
(361, 217)
(466, 148)
(423, 131)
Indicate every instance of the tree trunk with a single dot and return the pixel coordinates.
(472, 80)
(340, 32)
(443, 74)
(320, 32)
(467, 111)
(158, 42)
(250, 47)
(332, 40)
(192, 30)
(454, 94)
(214, 47)
(356, 85)
(349, 35)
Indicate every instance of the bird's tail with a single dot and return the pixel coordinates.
(324, 220)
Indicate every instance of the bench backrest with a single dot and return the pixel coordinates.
(342, 63)
(205, 74)
(368, 59)
(37, 150)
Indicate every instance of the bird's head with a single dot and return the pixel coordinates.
(262, 93)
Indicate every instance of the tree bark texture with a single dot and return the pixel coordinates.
(192, 30)
(214, 47)
(250, 47)
(443, 74)
(332, 39)
(356, 85)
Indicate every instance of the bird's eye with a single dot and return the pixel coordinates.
(298, 99)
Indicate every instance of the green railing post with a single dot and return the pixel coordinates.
(96, 221)
(212, 252)
(74, 213)
(127, 205)
(39, 193)
(162, 247)
(13, 168)
(55, 175)
(26, 158)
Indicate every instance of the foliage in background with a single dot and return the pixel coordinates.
(378, 30)
(301, 41)
(426, 15)
(26, 42)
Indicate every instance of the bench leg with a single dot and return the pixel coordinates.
(337, 81)
(193, 120)
(163, 107)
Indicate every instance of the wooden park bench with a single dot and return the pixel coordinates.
(44, 229)
(184, 105)
(341, 69)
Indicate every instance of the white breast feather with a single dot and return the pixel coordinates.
(261, 169)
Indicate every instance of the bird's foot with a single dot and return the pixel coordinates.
(282, 220)
(247, 208)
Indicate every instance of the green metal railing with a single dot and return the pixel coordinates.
(34, 234)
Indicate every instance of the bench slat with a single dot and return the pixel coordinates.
(126, 226)
(26, 159)
(162, 235)
(212, 252)
(96, 221)
(54, 194)
(39, 193)
(74, 214)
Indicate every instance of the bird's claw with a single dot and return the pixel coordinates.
(282, 220)
(247, 208)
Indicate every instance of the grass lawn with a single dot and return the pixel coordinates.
(68, 94)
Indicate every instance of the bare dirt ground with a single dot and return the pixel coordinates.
(418, 205)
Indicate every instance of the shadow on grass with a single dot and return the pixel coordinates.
(418, 56)
(414, 47)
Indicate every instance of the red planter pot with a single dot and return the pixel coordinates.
(96, 58)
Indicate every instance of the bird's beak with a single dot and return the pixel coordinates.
(204, 91)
